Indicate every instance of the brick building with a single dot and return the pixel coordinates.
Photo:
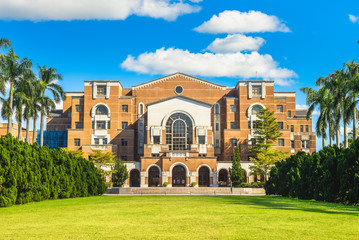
(178, 129)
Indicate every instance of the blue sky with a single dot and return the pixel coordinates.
(135, 41)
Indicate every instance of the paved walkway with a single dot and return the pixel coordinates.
(210, 191)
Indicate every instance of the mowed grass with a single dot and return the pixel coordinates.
(179, 217)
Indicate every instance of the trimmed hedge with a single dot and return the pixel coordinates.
(30, 173)
(331, 175)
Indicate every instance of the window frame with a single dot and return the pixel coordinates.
(124, 108)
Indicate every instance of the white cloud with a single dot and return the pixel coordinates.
(305, 107)
(242, 22)
(353, 18)
(59, 105)
(235, 43)
(244, 65)
(44, 10)
(342, 130)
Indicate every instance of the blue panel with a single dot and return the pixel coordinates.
(54, 139)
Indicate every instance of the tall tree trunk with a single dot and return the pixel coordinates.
(42, 130)
(19, 130)
(345, 135)
(355, 131)
(27, 129)
(34, 130)
(323, 142)
(331, 135)
(338, 138)
(9, 122)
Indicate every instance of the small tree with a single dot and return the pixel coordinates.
(103, 161)
(236, 171)
(267, 134)
(119, 174)
(75, 153)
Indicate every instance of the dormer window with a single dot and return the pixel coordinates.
(101, 90)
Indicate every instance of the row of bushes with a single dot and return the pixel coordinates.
(331, 175)
(31, 173)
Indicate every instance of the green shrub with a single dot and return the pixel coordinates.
(30, 173)
(193, 184)
(252, 185)
(165, 184)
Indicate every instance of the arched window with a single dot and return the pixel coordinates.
(101, 110)
(256, 109)
(179, 132)
(141, 108)
(216, 108)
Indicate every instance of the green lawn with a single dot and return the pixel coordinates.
(179, 217)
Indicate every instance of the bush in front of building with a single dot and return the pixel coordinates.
(236, 172)
(165, 184)
(331, 175)
(30, 173)
(252, 185)
(193, 184)
(119, 174)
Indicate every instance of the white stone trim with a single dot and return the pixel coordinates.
(284, 94)
(148, 168)
(249, 110)
(93, 109)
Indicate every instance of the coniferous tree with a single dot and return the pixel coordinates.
(236, 172)
(120, 174)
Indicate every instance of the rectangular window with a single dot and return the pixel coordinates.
(108, 124)
(124, 142)
(97, 141)
(156, 140)
(292, 144)
(233, 108)
(78, 108)
(202, 155)
(233, 125)
(233, 142)
(66, 127)
(78, 125)
(301, 128)
(124, 108)
(100, 125)
(124, 158)
(217, 126)
(201, 139)
(124, 125)
(292, 128)
(256, 91)
(280, 142)
(155, 154)
(77, 142)
(306, 128)
(217, 143)
(280, 125)
(279, 108)
(101, 90)
(289, 113)
(56, 128)
(104, 141)
(69, 113)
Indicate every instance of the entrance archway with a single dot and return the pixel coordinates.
(178, 176)
(223, 178)
(153, 177)
(203, 177)
(134, 178)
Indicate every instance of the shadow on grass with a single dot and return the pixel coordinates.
(292, 204)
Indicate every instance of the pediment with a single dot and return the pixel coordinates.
(182, 99)
(174, 77)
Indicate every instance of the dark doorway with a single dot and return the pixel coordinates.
(178, 176)
(134, 178)
(223, 178)
(245, 178)
(153, 177)
(203, 177)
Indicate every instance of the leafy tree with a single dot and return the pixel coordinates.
(103, 161)
(236, 172)
(119, 174)
(75, 153)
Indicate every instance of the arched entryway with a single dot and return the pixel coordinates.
(223, 178)
(153, 176)
(134, 178)
(178, 176)
(203, 177)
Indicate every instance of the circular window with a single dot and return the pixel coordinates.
(179, 89)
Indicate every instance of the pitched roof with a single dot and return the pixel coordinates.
(196, 79)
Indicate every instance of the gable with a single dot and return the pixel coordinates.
(179, 78)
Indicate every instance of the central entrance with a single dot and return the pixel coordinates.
(153, 177)
(203, 177)
(178, 176)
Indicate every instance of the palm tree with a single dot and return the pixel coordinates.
(12, 69)
(48, 77)
(4, 43)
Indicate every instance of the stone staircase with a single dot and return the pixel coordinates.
(184, 191)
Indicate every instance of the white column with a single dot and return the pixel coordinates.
(143, 175)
